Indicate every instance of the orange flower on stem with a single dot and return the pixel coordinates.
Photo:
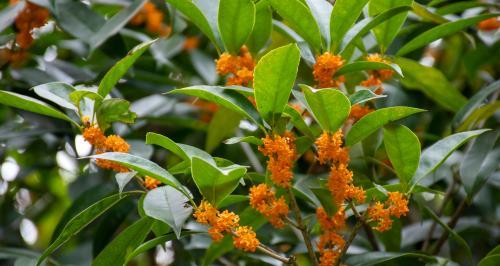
(101, 143)
(359, 111)
(263, 199)
(325, 67)
(396, 205)
(282, 154)
(330, 148)
(489, 24)
(239, 67)
(245, 239)
(151, 183)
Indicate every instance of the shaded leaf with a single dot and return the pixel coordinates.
(364, 95)
(114, 110)
(262, 27)
(223, 124)
(372, 258)
(344, 14)
(365, 66)
(236, 19)
(403, 148)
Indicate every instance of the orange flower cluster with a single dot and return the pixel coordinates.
(263, 199)
(282, 153)
(330, 242)
(489, 24)
(151, 183)
(358, 111)
(153, 18)
(226, 222)
(191, 43)
(240, 67)
(377, 76)
(396, 205)
(330, 148)
(112, 143)
(325, 67)
(32, 16)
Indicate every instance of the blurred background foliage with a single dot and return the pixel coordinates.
(43, 183)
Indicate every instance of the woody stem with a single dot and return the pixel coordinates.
(349, 241)
(302, 228)
(273, 254)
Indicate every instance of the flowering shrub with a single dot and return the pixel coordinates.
(335, 132)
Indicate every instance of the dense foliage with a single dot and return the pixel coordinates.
(249, 132)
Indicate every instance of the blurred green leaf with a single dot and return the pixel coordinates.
(325, 198)
(223, 124)
(330, 107)
(387, 31)
(403, 148)
(8, 14)
(236, 20)
(274, 77)
(373, 258)
(365, 66)
(427, 15)
(375, 120)
(248, 139)
(297, 121)
(262, 27)
(478, 115)
(122, 179)
(169, 206)
(322, 12)
(364, 95)
(344, 14)
(491, 260)
(56, 92)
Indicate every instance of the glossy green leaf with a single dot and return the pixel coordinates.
(190, 10)
(23, 102)
(274, 77)
(247, 139)
(236, 19)
(475, 102)
(441, 31)
(431, 82)
(114, 110)
(114, 24)
(344, 14)
(330, 107)
(184, 151)
(427, 15)
(364, 26)
(82, 219)
(122, 179)
(83, 22)
(224, 97)
(365, 66)
(322, 12)
(215, 183)
(373, 258)
(460, 7)
(169, 206)
(76, 97)
(223, 124)
(155, 242)
(387, 31)
(480, 161)
(142, 166)
(364, 95)
(403, 148)
(128, 240)
(56, 92)
(262, 27)
(300, 19)
(116, 72)
(297, 121)
(491, 260)
(436, 154)
(375, 120)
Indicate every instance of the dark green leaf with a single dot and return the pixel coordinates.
(375, 120)
(223, 124)
(364, 95)
(479, 115)
(297, 121)
(387, 31)
(262, 27)
(114, 110)
(491, 260)
(325, 198)
(344, 14)
(365, 66)
(373, 258)
(403, 148)
(236, 19)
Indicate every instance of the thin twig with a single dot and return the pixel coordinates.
(354, 232)
(302, 228)
(366, 227)
(275, 255)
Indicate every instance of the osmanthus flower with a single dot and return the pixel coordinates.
(338, 183)
(330, 242)
(336, 222)
(152, 18)
(359, 111)
(396, 205)
(32, 16)
(263, 199)
(377, 76)
(330, 148)
(190, 43)
(245, 239)
(151, 183)
(239, 67)
(325, 67)
(281, 153)
(489, 24)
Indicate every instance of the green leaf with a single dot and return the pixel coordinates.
(262, 27)
(474, 102)
(403, 148)
(142, 166)
(441, 31)
(186, 152)
(114, 110)
(249, 139)
(322, 12)
(325, 198)
(215, 183)
(56, 92)
(491, 260)
(300, 19)
(274, 77)
(366, 65)
(373, 258)
(232, 199)
(330, 107)
(436, 154)
(364, 26)
(190, 10)
(225, 97)
(236, 19)
(344, 14)
(82, 219)
(375, 120)
(223, 124)
(427, 15)
(9, 14)
(83, 22)
(297, 121)
(431, 82)
(112, 77)
(363, 95)
(479, 162)
(155, 242)
(77, 96)
(169, 206)
(128, 240)
(478, 115)
(387, 31)
(23, 102)
(114, 25)
(460, 7)
(122, 179)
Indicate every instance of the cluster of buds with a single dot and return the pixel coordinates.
(325, 68)
(396, 205)
(239, 67)
(152, 17)
(226, 222)
(282, 154)
(263, 199)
